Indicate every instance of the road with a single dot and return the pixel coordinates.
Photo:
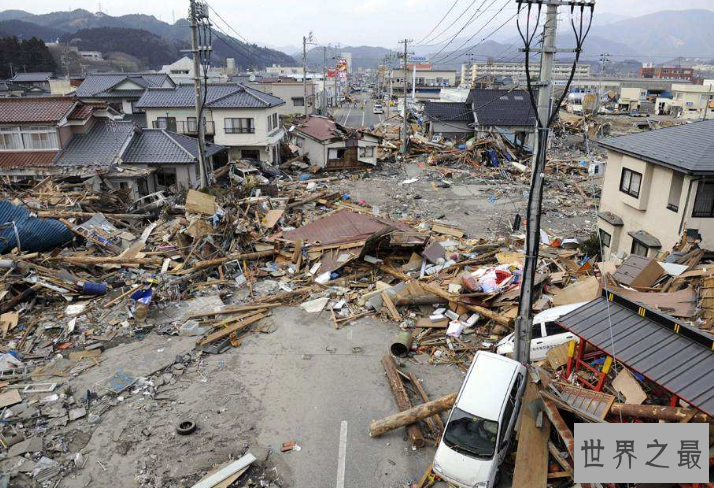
(355, 116)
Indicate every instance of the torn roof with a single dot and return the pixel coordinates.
(342, 227)
(323, 128)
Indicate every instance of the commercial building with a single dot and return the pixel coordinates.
(666, 72)
(693, 102)
(276, 70)
(429, 81)
(517, 71)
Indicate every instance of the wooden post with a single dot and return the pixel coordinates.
(402, 399)
(658, 412)
(434, 422)
(415, 414)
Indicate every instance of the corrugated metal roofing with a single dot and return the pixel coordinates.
(34, 109)
(219, 95)
(36, 235)
(688, 147)
(681, 362)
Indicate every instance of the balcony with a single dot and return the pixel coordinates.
(188, 127)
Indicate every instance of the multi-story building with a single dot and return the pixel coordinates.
(429, 81)
(517, 71)
(667, 72)
(289, 90)
(121, 90)
(277, 70)
(243, 119)
(693, 102)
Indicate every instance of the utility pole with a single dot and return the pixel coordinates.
(524, 321)
(305, 41)
(391, 74)
(405, 135)
(323, 102)
(706, 105)
(198, 11)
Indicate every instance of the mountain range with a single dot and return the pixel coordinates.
(60, 25)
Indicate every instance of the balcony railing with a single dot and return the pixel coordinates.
(184, 126)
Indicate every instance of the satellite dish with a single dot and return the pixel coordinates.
(251, 78)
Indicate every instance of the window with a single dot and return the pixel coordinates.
(630, 182)
(605, 238)
(165, 178)
(272, 122)
(366, 152)
(675, 191)
(250, 154)
(28, 138)
(239, 126)
(298, 101)
(638, 248)
(470, 435)
(704, 201)
(552, 328)
(335, 153)
(536, 331)
(168, 123)
(191, 124)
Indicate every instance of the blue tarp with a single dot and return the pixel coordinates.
(35, 234)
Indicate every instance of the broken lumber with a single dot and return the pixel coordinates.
(10, 304)
(240, 324)
(414, 414)
(658, 412)
(224, 473)
(435, 422)
(402, 398)
(94, 260)
(532, 455)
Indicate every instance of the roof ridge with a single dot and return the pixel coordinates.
(208, 104)
(169, 135)
(249, 91)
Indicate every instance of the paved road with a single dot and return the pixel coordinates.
(357, 117)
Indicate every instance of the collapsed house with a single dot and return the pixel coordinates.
(328, 145)
(450, 120)
(508, 112)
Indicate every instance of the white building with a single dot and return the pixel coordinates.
(181, 71)
(240, 118)
(277, 70)
(517, 71)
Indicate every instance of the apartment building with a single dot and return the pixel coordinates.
(517, 71)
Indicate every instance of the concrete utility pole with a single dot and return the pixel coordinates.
(524, 321)
(706, 105)
(305, 41)
(405, 135)
(198, 11)
(323, 102)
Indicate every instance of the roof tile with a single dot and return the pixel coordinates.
(34, 109)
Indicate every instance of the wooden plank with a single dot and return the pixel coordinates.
(230, 470)
(560, 459)
(202, 203)
(402, 398)
(532, 454)
(393, 313)
(230, 329)
(10, 398)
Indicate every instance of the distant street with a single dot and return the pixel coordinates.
(351, 116)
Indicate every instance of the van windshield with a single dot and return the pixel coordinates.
(471, 435)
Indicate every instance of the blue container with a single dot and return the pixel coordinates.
(91, 288)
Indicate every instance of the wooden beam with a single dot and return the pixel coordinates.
(402, 399)
(415, 414)
(532, 454)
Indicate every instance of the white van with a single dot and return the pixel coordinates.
(545, 335)
(377, 109)
(480, 426)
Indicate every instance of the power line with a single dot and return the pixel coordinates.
(235, 46)
(437, 25)
(454, 21)
(473, 17)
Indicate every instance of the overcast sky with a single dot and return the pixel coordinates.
(349, 22)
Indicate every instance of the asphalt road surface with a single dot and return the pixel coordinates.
(351, 116)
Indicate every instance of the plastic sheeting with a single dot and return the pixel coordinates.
(35, 234)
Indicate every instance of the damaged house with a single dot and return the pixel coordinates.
(508, 112)
(121, 91)
(658, 185)
(326, 144)
(65, 137)
(450, 120)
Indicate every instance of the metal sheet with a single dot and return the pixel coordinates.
(677, 357)
(35, 234)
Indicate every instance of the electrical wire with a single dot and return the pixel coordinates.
(433, 39)
(437, 25)
(471, 19)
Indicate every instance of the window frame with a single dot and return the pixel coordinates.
(637, 244)
(604, 233)
(298, 101)
(245, 125)
(628, 190)
(700, 214)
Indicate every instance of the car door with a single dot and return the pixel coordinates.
(508, 419)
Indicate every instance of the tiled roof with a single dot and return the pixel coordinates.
(34, 109)
(84, 110)
(688, 147)
(502, 107)
(100, 84)
(32, 77)
(219, 95)
(102, 145)
(158, 146)
(25, 159)
(319, 127)
(448, 111)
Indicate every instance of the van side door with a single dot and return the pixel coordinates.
(508, 420)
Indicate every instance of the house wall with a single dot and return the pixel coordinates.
(288, 91)
(181, 114)
(451, 129)
(313, 150)
(484, 130)
(649, 212)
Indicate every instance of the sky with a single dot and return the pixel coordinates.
(350, 22)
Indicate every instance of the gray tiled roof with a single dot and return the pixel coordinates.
(219, 95)
(102, 145)
(158, 146)
(448, 111)
(502, 107)
(30, 77)
(688, 147)
(100, 84)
